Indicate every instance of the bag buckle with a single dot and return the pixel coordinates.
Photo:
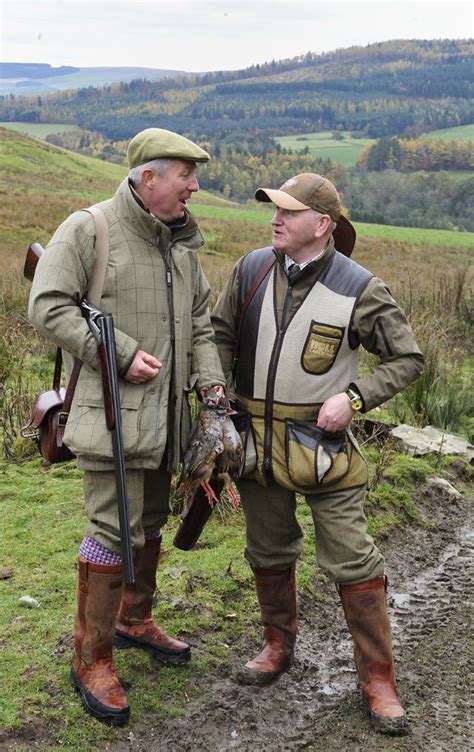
(62, 418)
(27, 432)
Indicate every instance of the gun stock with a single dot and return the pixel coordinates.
(32, 257)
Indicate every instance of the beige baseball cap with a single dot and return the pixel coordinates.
(311, 191)
(158, 143)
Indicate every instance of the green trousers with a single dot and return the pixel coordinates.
(274, 538)
(148, 500)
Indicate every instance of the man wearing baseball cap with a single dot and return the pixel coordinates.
(158, 296)
(289, 324)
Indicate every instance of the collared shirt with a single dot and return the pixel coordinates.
(290, 263)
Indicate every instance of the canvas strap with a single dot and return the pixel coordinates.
(94, 295)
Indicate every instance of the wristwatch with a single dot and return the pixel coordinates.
(355, 400)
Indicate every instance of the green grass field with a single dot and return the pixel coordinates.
(417, 235)
(459, 133)
(346, 151)
(325, 146)
(39, 130)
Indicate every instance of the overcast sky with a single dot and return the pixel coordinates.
(193, 35)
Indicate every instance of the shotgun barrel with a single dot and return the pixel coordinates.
(102, 327)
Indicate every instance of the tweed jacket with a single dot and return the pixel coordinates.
(158, 296)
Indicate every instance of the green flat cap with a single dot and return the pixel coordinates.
(157, 143)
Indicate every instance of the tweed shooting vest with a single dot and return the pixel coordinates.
(284, 373)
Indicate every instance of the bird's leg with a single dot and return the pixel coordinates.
(209, 491)
(234, 499)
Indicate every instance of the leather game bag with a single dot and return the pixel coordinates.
(50, 411)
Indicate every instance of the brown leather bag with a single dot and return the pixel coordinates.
(49, 414)
(50, 411)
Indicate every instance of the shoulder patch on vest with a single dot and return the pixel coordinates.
(345, 276)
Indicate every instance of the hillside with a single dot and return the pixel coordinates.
(28, 79)
(397, 87)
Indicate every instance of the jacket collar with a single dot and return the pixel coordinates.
(314, 268)
(139, 220)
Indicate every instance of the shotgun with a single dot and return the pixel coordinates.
(102, 327)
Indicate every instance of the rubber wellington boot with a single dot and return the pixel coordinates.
(93, 674)
(366, 615)
(276, 592)
(135, 626)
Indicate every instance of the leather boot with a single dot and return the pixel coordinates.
(135, 626)
(99, 590)
(276, 592)
(367, 618)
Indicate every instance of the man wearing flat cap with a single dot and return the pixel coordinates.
(158, 296)
(289, 324)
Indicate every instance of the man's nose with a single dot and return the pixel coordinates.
(193, 185)
(277, 219)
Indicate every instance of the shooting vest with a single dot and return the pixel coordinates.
(285, 371)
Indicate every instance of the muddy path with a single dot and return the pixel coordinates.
(316, 706)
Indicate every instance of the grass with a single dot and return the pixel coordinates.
(322, 144)
(412, 235)
(39, 130)
(206, 596)
(346, 150)
(457, 133)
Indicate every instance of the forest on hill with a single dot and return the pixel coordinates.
(394, 92)
(389, 88)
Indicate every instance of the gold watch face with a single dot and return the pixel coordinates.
(355, 400)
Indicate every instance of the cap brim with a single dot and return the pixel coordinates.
(280, 199)
(344, 236)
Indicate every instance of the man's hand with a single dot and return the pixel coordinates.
(335, 413)
(213, 396)
(144, 367)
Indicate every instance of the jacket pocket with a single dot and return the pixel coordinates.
(86, 429)
(321, 347)
(315, 457)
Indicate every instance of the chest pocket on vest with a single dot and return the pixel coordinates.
(321, 347)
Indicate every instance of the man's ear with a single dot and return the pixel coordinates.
(149, 178)
(323, 225)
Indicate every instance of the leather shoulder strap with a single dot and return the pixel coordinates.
(268, 262)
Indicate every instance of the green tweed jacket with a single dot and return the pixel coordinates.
(158, 296)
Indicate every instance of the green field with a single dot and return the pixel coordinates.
(39, 130)
(324, 146)
(460, 133)
(346, 151)
(416, 235)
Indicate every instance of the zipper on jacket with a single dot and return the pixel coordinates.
(268, 414)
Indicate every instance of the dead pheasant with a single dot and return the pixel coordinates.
(214, 451)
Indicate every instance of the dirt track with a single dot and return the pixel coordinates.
(316, 706)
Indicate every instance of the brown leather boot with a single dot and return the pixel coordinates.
(276, 591)
(99, 591)
(135, 626)
(366, 615)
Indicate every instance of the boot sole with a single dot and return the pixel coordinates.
(95, 708)
(163, 655)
